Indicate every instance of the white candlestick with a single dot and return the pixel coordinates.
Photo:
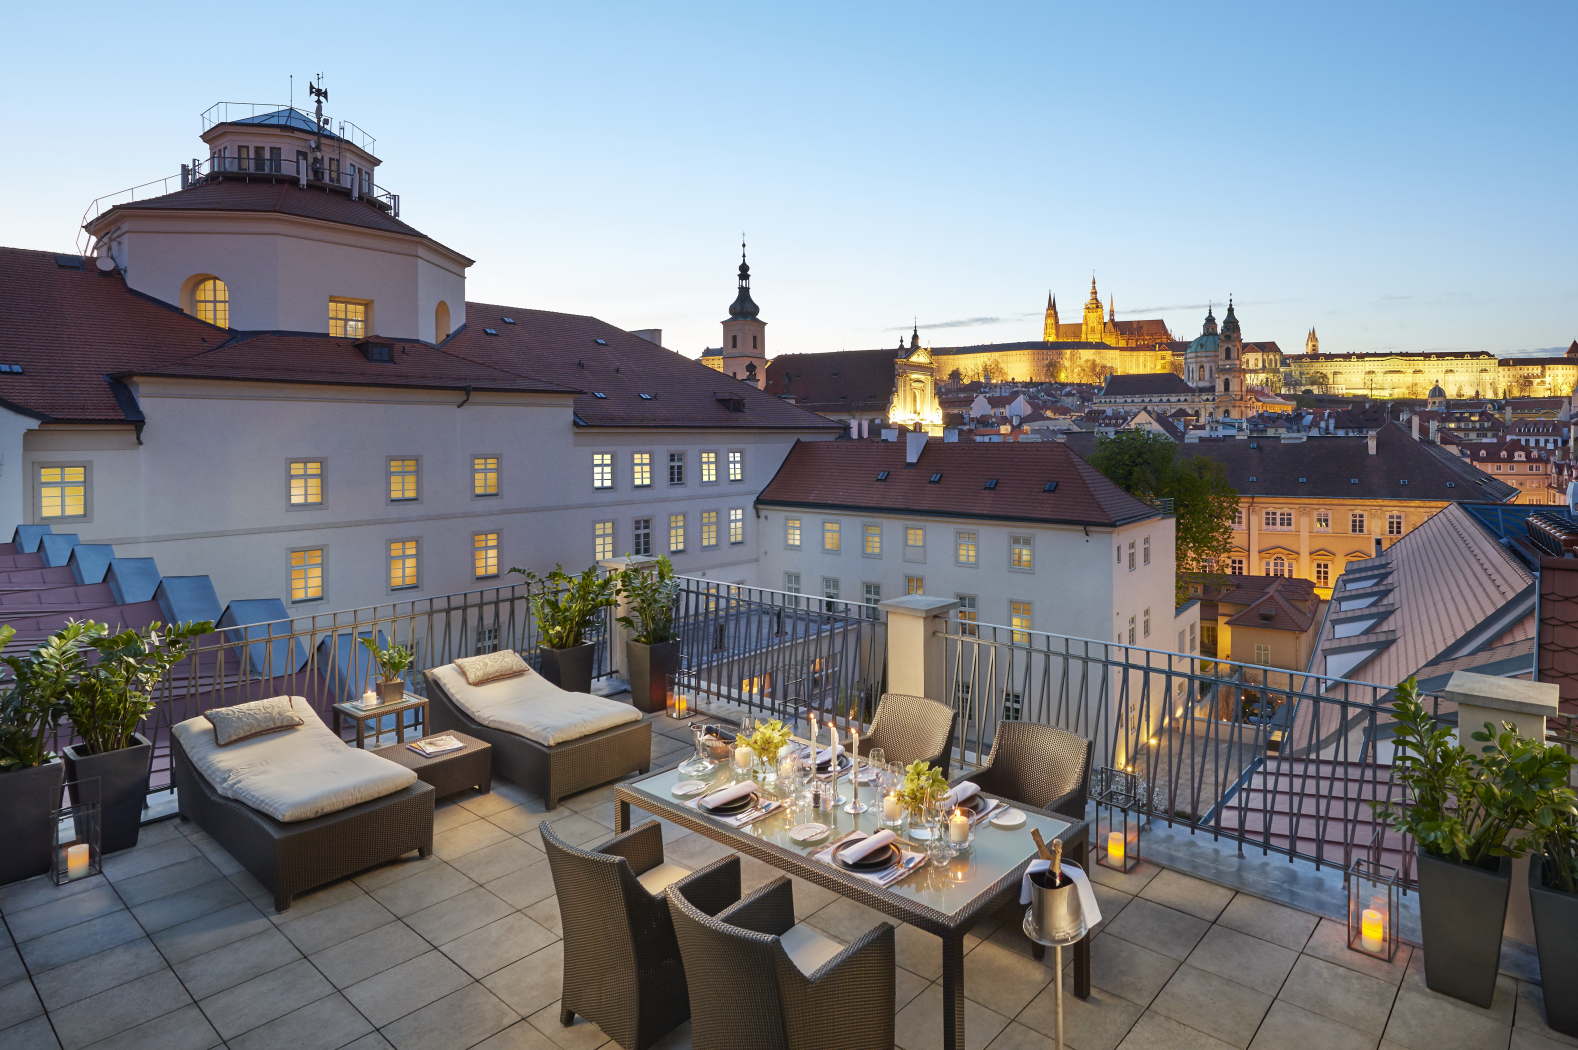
(76, 861)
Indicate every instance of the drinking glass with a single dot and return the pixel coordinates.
(876, 761)
(699, 764)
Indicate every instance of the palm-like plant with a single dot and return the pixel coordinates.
(112, 695)
(33, 702)
(392, 660)
(566, 606)
(650, 594)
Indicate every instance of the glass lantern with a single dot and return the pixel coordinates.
(76, 853)
(1372, 909)
(1118, 798)
(679, 696)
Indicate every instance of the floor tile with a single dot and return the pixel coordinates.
(175, 908)
(323, 1024)
(530, 984)
(335, 893)
(68, 910)
(110, 1012)
(580, 1035)
(467, 838)
(523, 888)
(545, 913)
(1159, 928)
(1522, 1039)
(517, 820)
(573, 828)
(207, 932)
(337, 924)
(1185, 893)
(1503, 1002)
(845, 920)
(1002, 981)
(357, 959)
(697, 851)
(119, 867)
(1131, 883)
(1239, 957)
(1220, 1008)
(1530, 1016)
(919, 1025)
(1341, 994)
(262, 999)
(1017, 1037)
(1155, 1032)
(438, 883)
(11, 966)
(232, 964)
(30, 1035)
(906, 986)
(411, 985)
(79, 941)
(140, 889)
(1330, 942)
(447, 818)
(461, 1019)
(30, 893)
(917, 951)
(1287, 1027)
(1097, 1023)
(497, 944)
(1276, 923)
(1127, 969)
(395, 871)
(1425, 1022)
(183, 1029)
(18, 1003)
(497, 859)
(97, 973)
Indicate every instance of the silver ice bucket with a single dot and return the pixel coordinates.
(1055, 913)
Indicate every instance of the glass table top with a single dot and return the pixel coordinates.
(994, 853)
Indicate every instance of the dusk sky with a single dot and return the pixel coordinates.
(1400, 177)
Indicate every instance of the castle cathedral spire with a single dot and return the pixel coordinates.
(1049, 326)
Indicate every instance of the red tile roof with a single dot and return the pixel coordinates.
(842, 475)
(845, 381)
(1279, 603)
(1558, 638)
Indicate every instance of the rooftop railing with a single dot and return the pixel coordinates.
(281, 114)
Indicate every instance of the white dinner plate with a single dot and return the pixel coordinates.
(1009, 818)
(687, 788)
(808, 832)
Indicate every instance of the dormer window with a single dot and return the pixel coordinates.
(382, 353)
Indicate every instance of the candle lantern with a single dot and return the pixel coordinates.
(1372, 909)
(679, 696)
(77, 836)
(1118, 796)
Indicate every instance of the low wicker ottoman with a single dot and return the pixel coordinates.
(470, 767)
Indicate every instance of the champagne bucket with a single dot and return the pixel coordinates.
(1055, 913)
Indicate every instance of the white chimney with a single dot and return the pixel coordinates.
(854, 428)
(1414, 424)
(1373, 433)
(1435, 434)
(913, 445)
(950, 436)
(890, 434)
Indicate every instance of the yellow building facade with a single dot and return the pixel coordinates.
(1464, 374)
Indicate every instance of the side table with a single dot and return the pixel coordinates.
(360, 716)
(470, 767)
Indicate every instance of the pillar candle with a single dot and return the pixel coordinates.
(1372, 931)
(76, 861)
(743, 757)
(1115, 847)
(958, 826)
(891, 809)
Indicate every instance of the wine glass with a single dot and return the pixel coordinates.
(876, 762)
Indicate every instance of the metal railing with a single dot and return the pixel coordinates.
(284, 115)
(1273, 759)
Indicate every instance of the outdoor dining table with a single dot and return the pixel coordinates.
(944, 900)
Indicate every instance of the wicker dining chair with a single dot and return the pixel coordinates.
(622, 968)
(747, 988)
(1038, 766)
(912, 729)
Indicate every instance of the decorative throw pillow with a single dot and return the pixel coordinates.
(243, 721)
(506, 663)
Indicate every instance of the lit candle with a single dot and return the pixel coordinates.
(76, 861)
(958, 826)
(1372, 931)
(1115, 847)
(743, 757)
(684, 705)
(891, 809)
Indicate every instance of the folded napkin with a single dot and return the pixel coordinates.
(822, 755)
(908, 861)
(867, 846)
(1087, 896)
(961, 792)
(728, 794)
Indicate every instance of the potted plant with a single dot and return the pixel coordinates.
(922, 783)
(31, 706)
(650, 593)
(1553, 897)
(106, 704)
(1462, 812)
(565, 609)
(392, 661)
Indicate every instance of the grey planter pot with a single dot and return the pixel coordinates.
(391, 692)
(568, 668)
(29, 799)
(1462, 910)
(123, 789)
(650, 668)
(1556, 936)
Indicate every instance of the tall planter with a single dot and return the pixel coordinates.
(570, 668)
(1556, 936)
(123, 788)
(650, 668)
(1462, 910)
(29, 799)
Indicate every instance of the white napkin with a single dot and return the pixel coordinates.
(822, 756)
(1087, 896)
(961, 792)
(866, 846)
(728, 794)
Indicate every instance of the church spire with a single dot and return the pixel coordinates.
(1112, 310)
(1049, 325)
(744, 307)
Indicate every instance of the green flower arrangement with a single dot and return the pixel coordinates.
(921, 781)
(766, 739)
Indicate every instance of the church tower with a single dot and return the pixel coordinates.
(1049, 327)
(1231, 387)
(1312, 343)
(1092, 326)
(745, 333)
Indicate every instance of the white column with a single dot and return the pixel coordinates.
(917, 663)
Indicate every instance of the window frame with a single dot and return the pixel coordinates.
(735, 458)
(498, 475)
(676, 458)
(1020, 632)
(389, 476)
(968, 614)
(736, 525)
(1145, 547)
(636, 468)
(597, 539)
(832, 529)
(368, 325)
(676, 531)
(1028, 546)
(36, 484)
(389, 557)
(914, 584)
(1394, 518)
(637, 534)
(704, 523)
(959, 545)
(915, 553)
(794, 534)
(323, 573)
(323, 475)
(1323, 574)
(608, 465)
(498, 556)
(794, 587)
(1321, 522)
(866, 536)
(1360, 518)
(701, 461)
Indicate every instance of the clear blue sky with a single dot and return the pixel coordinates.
(1399, 176)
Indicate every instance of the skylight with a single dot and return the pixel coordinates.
(507, 320)
(991, 483)
(1451, 484)
(491, 331)
(599, 394)
(934, 479)
(882, 475)
(600, 342)
(1303, 480)
(1251, 477)
(1050, 486)
(1353, 481)
(1404, 481)
(11, 369)
(644, 397)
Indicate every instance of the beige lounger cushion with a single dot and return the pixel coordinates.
(294, 774)
(529, 705)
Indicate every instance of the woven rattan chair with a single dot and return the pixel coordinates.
(747, 988)
(912, 729)
(622, 968)
(1038, 766)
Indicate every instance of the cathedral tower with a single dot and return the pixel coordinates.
(745, 333)
(1092, 329)
(1312, 343)
(1049, 326)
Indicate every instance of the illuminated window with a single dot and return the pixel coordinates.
(1394, 524)
(709, 528)
(642, 546)
(792, 582)
(830, 535)
(602, 470)
(676, 533)
(791, 532)
(1323, 574)
(306, 482)
(211, 302)
(914, 585)
(484, 475)
(914, 536)
(1323, 521)
(402, 563)
(737, 525)
(966, 548)
(1019, 552)
(402, 479)
(873, 539)
(603, 540)
(709, 468)
(676, 468)
(62, 492)
(347, 319)
(306, 575)
(641, 470)
(1356, 523)
(1019, 618)
(485, 554)
(968, 615)
(736, 466)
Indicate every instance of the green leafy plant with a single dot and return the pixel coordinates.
(1466, 807)
(651, 594)
(33, 702)
(566, 606)
(112, 695)
(393, 660)
(766, 739)
(922, 781)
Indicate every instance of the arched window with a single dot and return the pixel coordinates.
(1278, 566)
(210, 300)
(441, 322)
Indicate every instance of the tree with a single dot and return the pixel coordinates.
(1146, 465)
